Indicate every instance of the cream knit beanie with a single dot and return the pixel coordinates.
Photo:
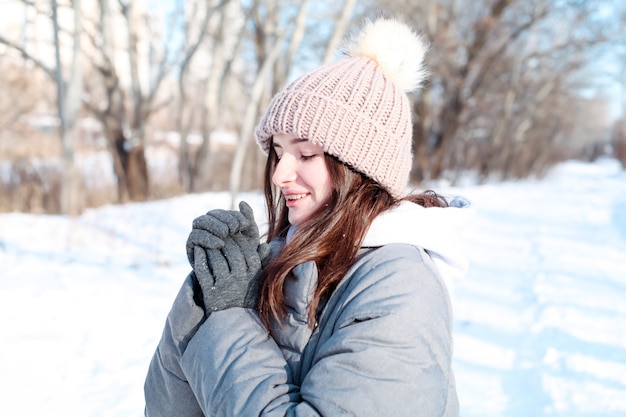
(357, 108)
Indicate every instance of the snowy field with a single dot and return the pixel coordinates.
(540, 326)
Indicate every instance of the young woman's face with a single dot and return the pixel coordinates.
(302, 176)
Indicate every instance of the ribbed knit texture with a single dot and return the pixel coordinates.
(356, 108)
(353, 110)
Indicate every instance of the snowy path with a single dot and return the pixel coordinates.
(540, 320)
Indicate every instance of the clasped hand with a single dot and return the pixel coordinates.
(226, 255)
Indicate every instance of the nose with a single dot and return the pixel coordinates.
(285, 171)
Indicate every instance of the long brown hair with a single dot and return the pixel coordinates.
(354, 203)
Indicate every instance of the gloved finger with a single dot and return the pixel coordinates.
(235, 256)
(207, 240)
(247, 211)
(208, 222)
(197, 290)
(252, 230)
(201, 269)
(190, 253)
(218, 265)
(234, 220)
(202, 239)
(247, 248)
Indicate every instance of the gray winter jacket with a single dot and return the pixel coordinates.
(382, 346)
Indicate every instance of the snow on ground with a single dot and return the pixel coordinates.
(540, 326)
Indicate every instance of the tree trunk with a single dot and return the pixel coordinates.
(340, 29)
(129, 164)
(137, 173)
(115, 140)
(450, 121)
(202, 166)
(224, 52)
(67, 108)
(421, 128)
(185, 116)
(250, 119)
(136, 168)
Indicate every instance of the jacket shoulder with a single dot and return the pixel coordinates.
(390, 319)
(396, 279)
(398, 263)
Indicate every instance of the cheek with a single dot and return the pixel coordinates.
(323, 182)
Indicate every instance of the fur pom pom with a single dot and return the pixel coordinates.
(395, 47)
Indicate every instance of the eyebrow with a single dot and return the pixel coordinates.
(292, 141)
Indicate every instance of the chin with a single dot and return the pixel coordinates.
(297, 219)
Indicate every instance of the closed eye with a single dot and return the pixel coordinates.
(308, 157)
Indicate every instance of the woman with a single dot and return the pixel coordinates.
(350, 314)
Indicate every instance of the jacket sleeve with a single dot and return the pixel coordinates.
(167, 392)
(382, 348)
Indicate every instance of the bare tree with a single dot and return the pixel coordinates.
(268, 41)
(186, 109)
(124, 110)
(267, 33)
(226, 43)
(466, 79)
(68, 104)
(491, 85)
(343, 19)
(547, 67)
(504, 97)
(618, 139)
(68, 97)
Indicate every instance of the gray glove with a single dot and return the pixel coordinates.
(227, 274)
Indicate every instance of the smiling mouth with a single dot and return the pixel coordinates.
(293, 197)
